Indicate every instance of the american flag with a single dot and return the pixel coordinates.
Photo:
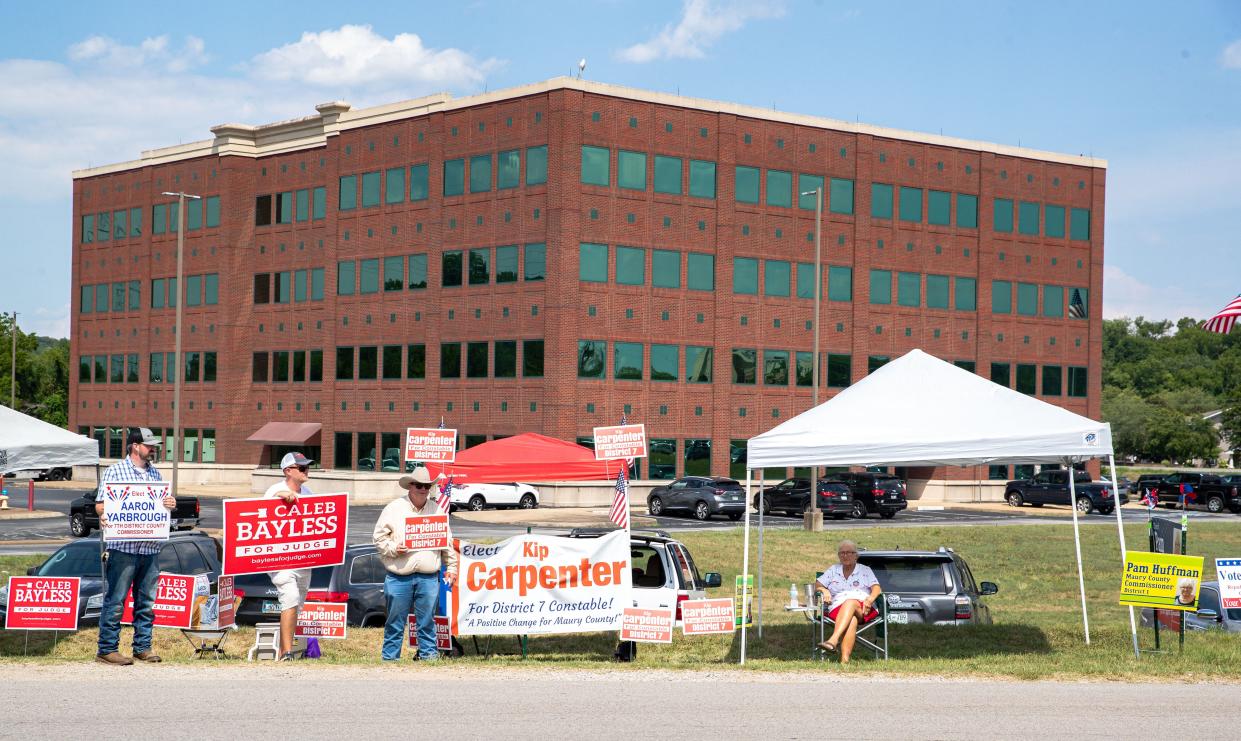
(1150, 498)
(444, 500)
(1222, 322)
(1188, 493)
(1077, 304)
(620, 503)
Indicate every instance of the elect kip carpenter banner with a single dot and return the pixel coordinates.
(262, 535)
(534, 584)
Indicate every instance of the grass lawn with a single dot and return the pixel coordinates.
(1037, 632)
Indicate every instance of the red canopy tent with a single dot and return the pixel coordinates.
(527, 457)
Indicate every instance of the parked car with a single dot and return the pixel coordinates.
(1144, 482)
(1052, 487)
(932, 587)
(189, 554)
(1208, 491)
(359, 582)
(874, 492)
(1210, 615)
(702, 496)
(477, 497)
(82, 517)
(1232, 479)
(792, 496)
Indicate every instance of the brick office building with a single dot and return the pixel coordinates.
(547, 257)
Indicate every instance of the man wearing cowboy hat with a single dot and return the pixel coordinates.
(412, 580)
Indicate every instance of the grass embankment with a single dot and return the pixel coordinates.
(1037, 632)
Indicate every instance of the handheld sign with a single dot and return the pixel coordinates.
(136, 512)
(262, 535)
(430, 445)
(643, 625)
(426, 532)
(43, 603)
(707, 616)
(322, 620)
(620, 442)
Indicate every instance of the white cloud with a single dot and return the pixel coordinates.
(1231, 58)
(47, 321)
(702, 23)
(155, 50)
(1127, 296)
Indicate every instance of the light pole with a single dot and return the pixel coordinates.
(176, 352)
(813, 518)
(13, 368)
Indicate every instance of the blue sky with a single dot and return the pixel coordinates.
(1152, 87)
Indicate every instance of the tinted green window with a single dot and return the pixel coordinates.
(776, 278)
(591, 358)
(159, 218)
(909, 289)
(318, 203)
(807, 183)
(344, 364)
(508, 169)
(841, 198)
(776, 367)
(316, 284)
(416, 361)
(88, 229)
(368, 276)
(967, 211)
(805, 280)
(391, 353)
(1079, 303)
(665, 268)
(450, 360)
(744, 362)
(628, 361)
(804, 369)
(213, 213)
(701, 179)
(1001, 297)
(939, 207)
(875, 362)
(1053, 217)
(839, 370)
(1052, 380)
(303, 205)
(480, 173)
(595, 166)
(172, 293)
(880, 201)
(193, 214)
(700, 272)
(631, 170)
(779, 188)
(1027, 378)
(348, 193)
(284, 208)
(394, 185)
(965, 294)
(937, 292)
(451, 269)
(506, 264)
(839, 283)
(1027, 299)
(592, 263)
(630, 266)
(1053, 301)
(1077, 381)
(745, 275)
(419, 185)
(1003, 211)
(211, 290)
(118, 295)
(135, 295)
(174, 216)
(663, 458)
(118, 223)
(667, 174)
(86, 300)
(193, 290)
(1001, 373)
(536, 261)
(480, 267)
(881, 286)
(158, 290)
(506, 359)
(417, 272)
(1027, 217)
(103, 223)
(911, 204)
(1079, 224)
(536, 165)
(532, 358)
(746, 183)
(394, 272)
(698, 364)
(454, 177)
(665, 362)
(476, 359)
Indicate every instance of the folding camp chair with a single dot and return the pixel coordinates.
(872, 635)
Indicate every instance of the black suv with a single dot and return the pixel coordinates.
(1144, 482)
(792, 496)
(359, 582)
(931, 587)
(874, 492)
(702, 496)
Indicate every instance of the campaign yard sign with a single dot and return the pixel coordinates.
(647, 625)
(227, 614)
(322, 620)
(620, 442)
(1161, 580)
(426, 532)
(136, 511)
(430, 445)
(706, 616)
(43, 603)
(1228, 572)
(175, 597)
(262, 535)
(443, 633)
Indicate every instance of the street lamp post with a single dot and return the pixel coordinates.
(176, 353)
(813, 517)
(13, 368)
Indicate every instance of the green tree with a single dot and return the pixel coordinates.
(42, 373)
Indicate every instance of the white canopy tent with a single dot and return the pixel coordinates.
(919, 410)
(29, 443)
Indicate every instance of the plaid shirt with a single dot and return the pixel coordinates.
(125, 472)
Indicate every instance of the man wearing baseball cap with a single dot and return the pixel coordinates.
(291, 584)
(412, 581)
(130, 563)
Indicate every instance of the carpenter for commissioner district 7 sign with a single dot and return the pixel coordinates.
(620, 442)
(136, 511)
(536, 584)
(262, 535)
(426, 532)
(42, 603)
(430, 445)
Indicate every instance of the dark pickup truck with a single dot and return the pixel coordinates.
(82, 517)
(1201, 490)
(1052, 487)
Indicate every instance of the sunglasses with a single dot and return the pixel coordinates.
(419, 486)
(303, 469)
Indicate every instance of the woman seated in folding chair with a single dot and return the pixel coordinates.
(852, 590)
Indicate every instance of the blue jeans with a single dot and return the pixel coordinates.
(418, 592)
(123, 571)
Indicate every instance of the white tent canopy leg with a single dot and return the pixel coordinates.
(745, 562)
(1077, 545)
(1124, 550)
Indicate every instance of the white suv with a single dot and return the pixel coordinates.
(476, 497)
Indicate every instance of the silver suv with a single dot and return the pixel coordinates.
(931, 587)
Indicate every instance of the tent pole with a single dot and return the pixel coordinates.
(759, 611)
(745, 562)
(1124, 550)
(1077, 544)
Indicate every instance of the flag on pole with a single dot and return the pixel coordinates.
(620, 502)
(1222, 322)
(444, 500)
(1150, 498)
(1188, 493)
